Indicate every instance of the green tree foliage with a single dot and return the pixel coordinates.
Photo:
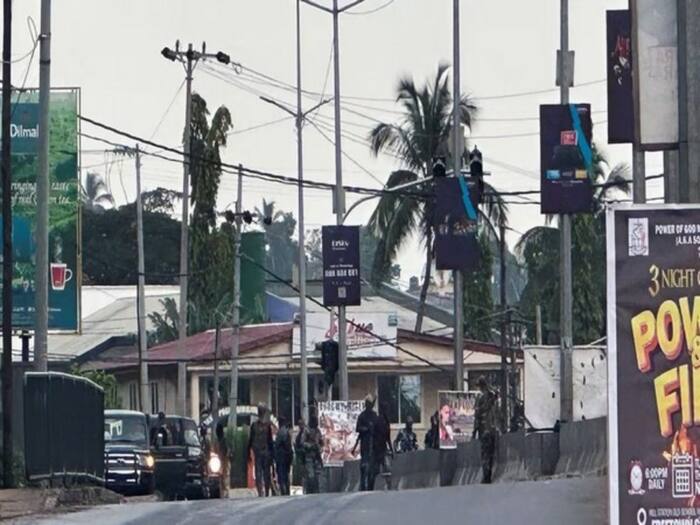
(282, 248)
(95, 194)
(108, 383)
(478, 298)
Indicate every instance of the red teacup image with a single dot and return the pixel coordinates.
(60, 275)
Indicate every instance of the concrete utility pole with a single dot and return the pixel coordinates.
(566, 287)
(458, 148)
(41, 276)
(236, 328)
(143, 346)
(5, 161)
(339, 194)
(504, 326)
(189, 59)
(215, 396)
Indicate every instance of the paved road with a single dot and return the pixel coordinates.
(566, 501)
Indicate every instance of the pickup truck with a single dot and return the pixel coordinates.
(129, 465)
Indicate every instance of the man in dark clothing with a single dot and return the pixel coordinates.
(406, 440)
(432, 436)
(485, 414)
(313, 462)
(284, 456)
(382, 445)
(366, 422)
(260, 441)
(160, 429)
(299, 461)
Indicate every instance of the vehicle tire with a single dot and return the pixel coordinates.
(215, 492)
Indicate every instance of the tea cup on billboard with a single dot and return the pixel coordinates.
(60, 275)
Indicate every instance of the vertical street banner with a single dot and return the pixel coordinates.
(337, 421)
(653, 300)
(456, 219)
(64, 208)
(655, 51)
(456, 411)
(620, 88)
(566, 158)
(341, 265)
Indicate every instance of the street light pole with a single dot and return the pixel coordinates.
(236, 323)
(143, 347)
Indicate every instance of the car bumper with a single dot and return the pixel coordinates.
(125, 482)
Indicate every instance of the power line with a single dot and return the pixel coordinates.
(370, 11)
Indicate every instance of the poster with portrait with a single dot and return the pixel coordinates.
(456, 413)
(620, 88)
(653, 299)
(337, 421)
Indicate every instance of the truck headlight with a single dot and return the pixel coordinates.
(146, 460)
(214, 464)
(150, 462)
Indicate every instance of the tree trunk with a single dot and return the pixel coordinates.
(426, 282)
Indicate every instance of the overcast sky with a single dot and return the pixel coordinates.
(111, 50)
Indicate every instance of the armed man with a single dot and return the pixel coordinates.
(485, 426)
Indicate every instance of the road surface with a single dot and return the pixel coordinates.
(555, 502)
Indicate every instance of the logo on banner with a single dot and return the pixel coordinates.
(636, 479)
(638, 236)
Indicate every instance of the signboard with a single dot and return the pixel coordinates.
(542, 373)
(653, 295)
(367, 333)
(456, 410)
(655, 46)
(64, 209)
(337, 421)
(456, 242)
(341, 265)
(566, 158)
(620, 88)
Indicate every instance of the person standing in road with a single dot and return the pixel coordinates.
(382, 446)
(432, 436)
(313, 444)
(485, 417)
(260, 441)
(299, 463)
(406, 440)
(284, 455)
(366, 423)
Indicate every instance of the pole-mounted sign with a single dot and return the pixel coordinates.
(341, 265)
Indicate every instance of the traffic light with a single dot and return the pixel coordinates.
(329, 359)
(439, 168)
(476, 165)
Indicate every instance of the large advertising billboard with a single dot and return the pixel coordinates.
(341, 265)
(655, 48)
(456, 215)
(566, 158)
(64, 208)
(654, 364)
(337, 421)
(620, 88)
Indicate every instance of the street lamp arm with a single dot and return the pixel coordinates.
(357, 203)
(325, 101)
(399, 187)
(281, 106)
(318, 6)
(349, 6)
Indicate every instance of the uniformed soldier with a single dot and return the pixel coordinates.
(485, 417)
(313, 444)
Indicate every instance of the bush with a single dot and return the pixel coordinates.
(237, 446)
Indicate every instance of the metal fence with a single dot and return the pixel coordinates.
(63, 428)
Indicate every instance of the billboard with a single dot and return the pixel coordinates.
(655, 48)
(456, 205)
(542, 375)
(456, 411)
(566, 158)
(64, 208)
(620, 88)
(337, 421)
(367, 333)
(653, 290)
(341, 265)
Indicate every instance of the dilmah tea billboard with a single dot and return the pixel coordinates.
(654, 364)
(64, 208)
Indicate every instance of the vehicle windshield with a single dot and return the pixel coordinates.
(191, 434)
(126, 429)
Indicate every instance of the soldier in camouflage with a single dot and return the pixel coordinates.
(312, 443)
(485, 426)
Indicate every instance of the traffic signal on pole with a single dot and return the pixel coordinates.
(329, 359)
(439, 168)
(476, 164)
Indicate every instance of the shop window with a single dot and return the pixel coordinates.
(400, 397)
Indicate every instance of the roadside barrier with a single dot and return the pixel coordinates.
(583, 448)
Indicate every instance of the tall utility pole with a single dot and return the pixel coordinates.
(339, 194)
(215, 396)
(504, 325)
(189, 60)
(7, 445)
(41, 276)
(566, 287)
(236, 328)
(458, 148)
(143, 347)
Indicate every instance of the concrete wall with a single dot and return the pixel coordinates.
(162, 376)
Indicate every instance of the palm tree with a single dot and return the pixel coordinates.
(421, 135)
(95, 193)
(538, 250)
(279, 230)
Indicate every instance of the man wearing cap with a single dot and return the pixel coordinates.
(366, 423)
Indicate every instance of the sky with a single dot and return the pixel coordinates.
(111, 50)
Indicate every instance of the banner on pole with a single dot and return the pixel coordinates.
(64, 208)
(620, 87)
(456, 242)
(566, 158)
(337, 421)
(653, 281)
(456, 410)
(341, 265)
